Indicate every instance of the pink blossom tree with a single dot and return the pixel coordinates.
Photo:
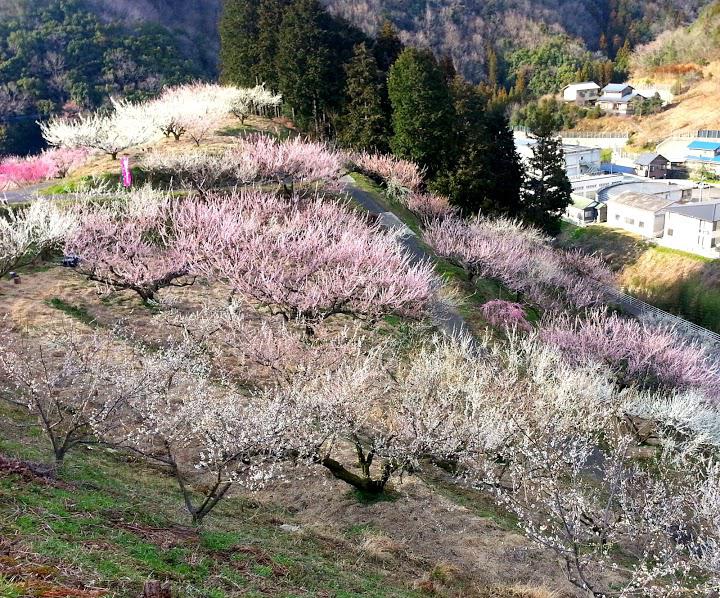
(400, 176)
(522, 260)
(638, 353)
(303, 257)
(505, 314)
(129, 245)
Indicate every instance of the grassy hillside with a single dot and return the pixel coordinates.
(678, 282)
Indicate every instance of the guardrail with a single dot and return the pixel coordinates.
(638, 308)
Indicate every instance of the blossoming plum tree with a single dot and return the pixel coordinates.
(129, 244)
(26, 233)
(303, 258)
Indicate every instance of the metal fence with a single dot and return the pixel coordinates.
(638, 308)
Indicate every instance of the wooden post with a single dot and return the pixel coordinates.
(156, 589)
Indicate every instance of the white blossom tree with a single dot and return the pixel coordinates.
(72, 380)
(25, 233)
(253, 100)
(127, 126)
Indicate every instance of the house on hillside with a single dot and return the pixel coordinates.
(585, 210)
(694, 227)
(639, 213)
(619, 98)
(581, 93)
(704, 155)
(652, 166)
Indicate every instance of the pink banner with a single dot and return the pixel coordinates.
(126, 172)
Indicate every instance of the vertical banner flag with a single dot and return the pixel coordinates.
(126, 172)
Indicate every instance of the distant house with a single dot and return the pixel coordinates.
(704, 154)
(639, 213)
(619, 98)
(579, 160)
(581, 93)
(584, 210)
(652, 165)
(694, 227)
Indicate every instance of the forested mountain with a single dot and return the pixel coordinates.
(467, 29)
(464, 29)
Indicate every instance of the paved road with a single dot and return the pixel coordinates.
(447, 319)
(24, 194)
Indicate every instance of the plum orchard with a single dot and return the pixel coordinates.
(549, 419)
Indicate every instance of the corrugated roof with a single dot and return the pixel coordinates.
(707, 211)
(642, 201)
(614, 87)
(649, 158)
(623, 100)
(704, 145)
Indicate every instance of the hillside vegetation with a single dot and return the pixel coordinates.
(680, 283)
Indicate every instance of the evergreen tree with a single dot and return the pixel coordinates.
(422, 110)
(239, 42)
(364, 124)
(387, 46)
(269, 19)
(304, 62)
(486, 175)
(547, 188)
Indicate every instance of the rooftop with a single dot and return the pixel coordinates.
(704, 145)
(647, 159)
(623, 100)
(643, 201)
(582, 202)
(713, 160)
(707, 211)
(615, 87)
(583, 85)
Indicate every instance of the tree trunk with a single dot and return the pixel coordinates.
(364, 484)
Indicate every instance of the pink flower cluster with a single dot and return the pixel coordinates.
(652, 355)
(301, 258)
(128, 246)
(505, 314)
(298, 257)
(521, 259)
(294, 159)
(390, 170)
(428, 205)
(51, 164)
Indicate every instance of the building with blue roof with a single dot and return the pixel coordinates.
(704, 154)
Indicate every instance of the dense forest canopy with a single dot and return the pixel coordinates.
(59, 57)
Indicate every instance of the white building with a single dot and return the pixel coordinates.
(639, 213)
(694, 227)
(579, 160)
(591, 184)
(581, 93)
